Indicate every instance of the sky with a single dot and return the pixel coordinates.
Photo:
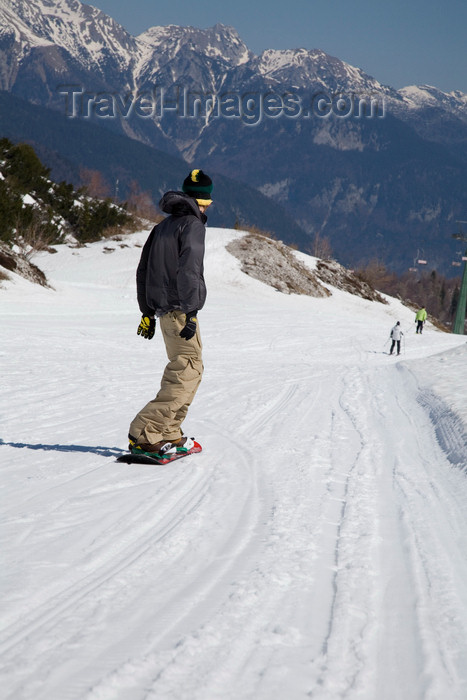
(401, 42)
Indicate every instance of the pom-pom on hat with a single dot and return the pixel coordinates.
(199, 186)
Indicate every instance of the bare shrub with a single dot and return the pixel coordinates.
(36, 236)
(321, 247)
(141, 204)
(255, 230)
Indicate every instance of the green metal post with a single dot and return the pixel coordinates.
(459, 322)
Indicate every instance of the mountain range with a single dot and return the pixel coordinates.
(318, 148)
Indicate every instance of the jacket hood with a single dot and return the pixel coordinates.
(180, 204)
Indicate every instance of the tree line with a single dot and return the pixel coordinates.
(437, 293)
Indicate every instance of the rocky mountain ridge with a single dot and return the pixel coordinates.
(380, 172)
(94, 41)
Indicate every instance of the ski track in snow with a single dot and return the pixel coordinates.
(316, 548)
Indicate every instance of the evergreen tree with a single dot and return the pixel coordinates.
(25, 171)
(57, 209)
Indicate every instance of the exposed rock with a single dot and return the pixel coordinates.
(333, 273)
(18, 263)
(273, 263)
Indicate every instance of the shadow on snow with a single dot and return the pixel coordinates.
(98, 450)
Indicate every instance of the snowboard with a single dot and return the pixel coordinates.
(131, 458)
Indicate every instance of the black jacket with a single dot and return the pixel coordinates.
(170, 271)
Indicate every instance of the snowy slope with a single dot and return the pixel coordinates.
(315, 548)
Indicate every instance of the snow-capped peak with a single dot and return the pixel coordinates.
(219, 42)
(314, 66)
(98, 42)
(421, 96)
(82, 30)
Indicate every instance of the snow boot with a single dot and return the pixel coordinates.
(158, 449)
(184, 444)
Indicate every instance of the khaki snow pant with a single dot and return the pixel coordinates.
(162, 417)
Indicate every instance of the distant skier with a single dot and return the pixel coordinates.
(420, 319)
(396, 335)
(171, 287)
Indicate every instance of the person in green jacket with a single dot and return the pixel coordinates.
(420, 319)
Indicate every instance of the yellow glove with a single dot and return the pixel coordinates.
(146, 327)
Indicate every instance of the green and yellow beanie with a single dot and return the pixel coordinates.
(199, 186)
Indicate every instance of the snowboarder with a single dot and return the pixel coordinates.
(171, 288)
(396, 335)
(420, 319)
